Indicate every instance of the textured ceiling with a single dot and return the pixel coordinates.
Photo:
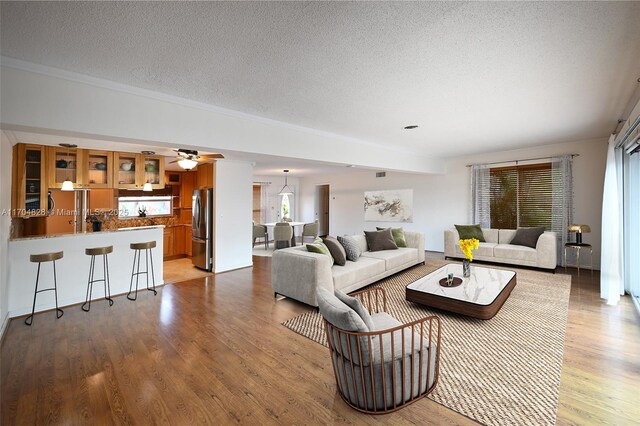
(475, 76)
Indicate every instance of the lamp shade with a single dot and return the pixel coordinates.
(579, 228)
(187, 163)
(67, 185)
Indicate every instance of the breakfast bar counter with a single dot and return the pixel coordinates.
(73, 269)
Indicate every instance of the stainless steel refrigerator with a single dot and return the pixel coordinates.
(202, 228)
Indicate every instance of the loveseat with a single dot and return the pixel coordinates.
(297, 273)
(497, 248)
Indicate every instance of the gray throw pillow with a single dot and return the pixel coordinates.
(470, 231)
(351, 247)
(527, 236)
(355, 304)
(380, 240)
(337, 313)
(336, 250)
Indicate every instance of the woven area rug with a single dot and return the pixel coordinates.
(501, 371)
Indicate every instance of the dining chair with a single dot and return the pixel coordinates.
(310, 230)
(260, 231)
(282, 234)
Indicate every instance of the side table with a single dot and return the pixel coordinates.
(578, 247)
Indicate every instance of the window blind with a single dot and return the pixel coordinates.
(521, 196)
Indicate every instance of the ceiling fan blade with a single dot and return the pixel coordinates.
(211, 156)
(174, 161)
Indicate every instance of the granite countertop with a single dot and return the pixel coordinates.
(133, 228)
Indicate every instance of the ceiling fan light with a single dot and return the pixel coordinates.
(187, 163)
(67, 185)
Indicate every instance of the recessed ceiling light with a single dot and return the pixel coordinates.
(148, 152)
(410, 127)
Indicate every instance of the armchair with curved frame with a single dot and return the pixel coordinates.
(381, 371)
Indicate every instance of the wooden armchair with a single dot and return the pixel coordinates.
(385, 369)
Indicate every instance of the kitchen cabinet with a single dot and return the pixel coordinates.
(167, 242)
(187, 240)
(205, 173)
(66, 164)
(29, 186)
(132, 171)
(178, 240)
(97, 169)
(187, 185)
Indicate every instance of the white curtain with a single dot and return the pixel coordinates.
(611, 284)
(561, 201)
(264, 202)
(481, 195)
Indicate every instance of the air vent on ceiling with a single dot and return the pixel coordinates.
(381, 174)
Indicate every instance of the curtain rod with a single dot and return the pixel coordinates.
(262, 183)
(527, 159)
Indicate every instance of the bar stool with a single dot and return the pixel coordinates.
(93, 252)
(39, 258)
(138, 247)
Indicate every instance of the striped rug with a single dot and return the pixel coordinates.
(503, 371)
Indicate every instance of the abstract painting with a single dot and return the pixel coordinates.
(388, 206)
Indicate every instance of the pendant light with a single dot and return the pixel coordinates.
(67, 185)
(147, 187)
(285, 189)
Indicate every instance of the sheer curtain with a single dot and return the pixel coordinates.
(481, 195)
(264, 202)
(561, 201)
(611, 284)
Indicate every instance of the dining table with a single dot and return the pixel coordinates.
(293, 225)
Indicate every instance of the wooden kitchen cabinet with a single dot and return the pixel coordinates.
(132, 171)
(97, 169)
(29, 183)
(178, 240)
(187, 240)
(187, 185)
(205, 173)
(167, 249)
(66, 164)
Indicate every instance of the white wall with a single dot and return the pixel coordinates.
(5, 227)
(234, 202)
(440, 201)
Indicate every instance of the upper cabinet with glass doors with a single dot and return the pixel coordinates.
(132, 171)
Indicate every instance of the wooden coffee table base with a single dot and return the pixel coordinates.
(462, 307)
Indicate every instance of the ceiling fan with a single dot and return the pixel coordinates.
(189, 158)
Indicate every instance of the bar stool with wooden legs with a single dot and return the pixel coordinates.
(93, 252)
(138, 247)
(39, 258)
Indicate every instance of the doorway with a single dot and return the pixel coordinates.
(257, 203)
(322, 209)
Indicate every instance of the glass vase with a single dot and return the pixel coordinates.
(466, 268)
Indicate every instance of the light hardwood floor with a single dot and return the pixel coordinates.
(212, 351)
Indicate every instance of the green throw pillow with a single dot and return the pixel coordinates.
(398, 236)
(470, 231)
(319, 247)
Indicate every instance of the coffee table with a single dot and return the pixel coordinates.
(479, 296)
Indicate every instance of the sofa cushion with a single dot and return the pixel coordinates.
(351, 247)
(353, 272)
(380, 240)
(527, 236)
(355, 304)
(470, 231)
(490, 235)
(506, 235)
(398, 236)
(393, 258)
(484, 249)
(513, 252)
(336, 250)
(337, 313)
(319, 247)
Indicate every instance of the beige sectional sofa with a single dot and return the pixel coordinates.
(497, 248)
(297, 273)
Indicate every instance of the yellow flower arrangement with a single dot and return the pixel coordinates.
(468, 246)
